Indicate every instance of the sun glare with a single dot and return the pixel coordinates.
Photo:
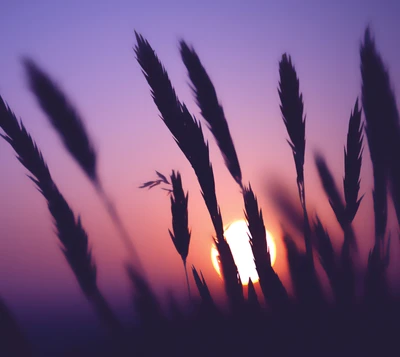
(237, 237)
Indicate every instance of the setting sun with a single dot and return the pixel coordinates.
(236, 235)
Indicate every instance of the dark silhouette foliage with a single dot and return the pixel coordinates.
(211, 110)
(292, 107)
(179, 209)
(305, 324)
(72, 236)
(352, 163)
(188, 135)
(206, 97)
(70, 127)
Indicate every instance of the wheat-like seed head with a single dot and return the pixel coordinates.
(211, 109)
(64, 117)
(352, 163)
(69, 230)
(189, 137)
(292, 112)
(179, 208)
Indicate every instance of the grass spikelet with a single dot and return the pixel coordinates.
(69, 230)
(189, 137)
(252, 297)
(206, 97)
(63, 117)
(382, 124)
(179, 208)
(69, 125)
(72, 236)
(202, 288)
(211, 109)
(292, 108)
(381, 127)
(343, 278)
(274, 292)
(352, 163)
(378, 111)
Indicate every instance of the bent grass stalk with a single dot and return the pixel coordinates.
(67, 122)
(189, 137)
(72, 236)
(213, 113)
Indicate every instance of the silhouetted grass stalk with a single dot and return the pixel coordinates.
(203, 289)
(352, 163)
(344, 282)
(70, 232)
(119, 225)
(382, 119)
(382, 131)
(292, 113)
(66, 120)
(179, 209)
(377, 130)
(212, 111)
(273, 290)
(335, 200)
(189, 137)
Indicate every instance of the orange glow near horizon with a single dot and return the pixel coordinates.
(237, 237)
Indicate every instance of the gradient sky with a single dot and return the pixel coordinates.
(87, 47)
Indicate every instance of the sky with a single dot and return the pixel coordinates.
(87, 47)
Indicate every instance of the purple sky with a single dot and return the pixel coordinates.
(87, 47)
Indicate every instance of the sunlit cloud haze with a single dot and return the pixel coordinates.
(88, 48)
